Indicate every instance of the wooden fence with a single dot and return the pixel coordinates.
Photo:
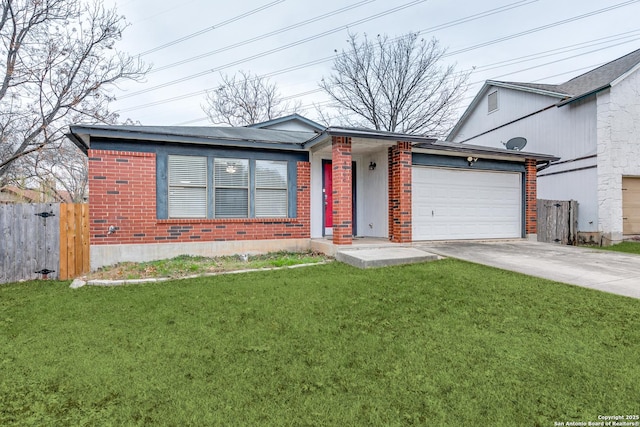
(43, 240)
(557, 221)
(74, 240)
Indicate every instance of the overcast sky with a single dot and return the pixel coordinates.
(548, 41)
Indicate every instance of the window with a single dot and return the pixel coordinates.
(208, 187)
(271, 189)
(492, 101)
(231, 183)
(187, 187)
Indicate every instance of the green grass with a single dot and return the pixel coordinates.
(627, 247)
(186, 265)
(441, 343)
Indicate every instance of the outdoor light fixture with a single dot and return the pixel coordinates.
(372, 166)
(471, 160)
(231, 168)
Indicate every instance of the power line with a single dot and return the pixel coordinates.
(271, 51)
(540, 55)
(263, 36)
(211, 28)
(544, 27)
(329, 58)
(456, 22)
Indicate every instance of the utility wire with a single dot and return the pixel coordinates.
(557, 23)
(263, 36)
(544, 54)
(211, 28)
(448, 54)
(271, 51)
(514, 61)
(330, 58)
(544, 27)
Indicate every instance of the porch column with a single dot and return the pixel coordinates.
(531, 196)
(400, 166)
(342, 209)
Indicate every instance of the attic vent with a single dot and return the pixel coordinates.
(492, 99)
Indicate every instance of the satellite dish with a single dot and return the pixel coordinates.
(516, 143)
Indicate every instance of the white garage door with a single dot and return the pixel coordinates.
(465, 204)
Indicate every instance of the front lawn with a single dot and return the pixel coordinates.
(440, 343)
(627, 247)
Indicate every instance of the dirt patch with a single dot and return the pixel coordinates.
(186, 265)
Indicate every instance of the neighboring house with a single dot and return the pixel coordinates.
(591, 122)
(158, 192)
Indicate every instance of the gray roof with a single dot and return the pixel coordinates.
(601, 76)
(192, 134)
(81, 135)
(591, 81)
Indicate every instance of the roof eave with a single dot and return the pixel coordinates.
(582, 96)
(467, 149)
(78, 141)
(171, 138)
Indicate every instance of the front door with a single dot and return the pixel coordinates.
(327, 196)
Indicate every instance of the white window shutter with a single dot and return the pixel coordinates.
(271, 197)
(231, 181)
(187, 187)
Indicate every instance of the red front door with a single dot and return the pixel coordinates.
(327, 191)
(327, 194)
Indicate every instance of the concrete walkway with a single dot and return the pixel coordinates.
(383, 256)
(591, 268)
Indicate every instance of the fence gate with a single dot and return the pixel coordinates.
(557, 221)
(43, 240)
(30, 241)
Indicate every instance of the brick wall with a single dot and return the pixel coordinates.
(400, 193)
(341, 181)
(122, 193)
(531, 210)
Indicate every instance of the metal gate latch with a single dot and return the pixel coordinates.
(45, 215)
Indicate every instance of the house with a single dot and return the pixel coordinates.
(591, 122)
(161, 191)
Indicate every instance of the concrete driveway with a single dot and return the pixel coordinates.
(591, 268)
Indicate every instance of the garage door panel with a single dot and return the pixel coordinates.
(463, 204)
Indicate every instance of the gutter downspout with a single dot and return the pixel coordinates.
(543, 167)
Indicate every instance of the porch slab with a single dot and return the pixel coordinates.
(383, 257)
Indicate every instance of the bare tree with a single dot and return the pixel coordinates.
(245, 99)
(62, 172)
(58, 63)
(395, 85)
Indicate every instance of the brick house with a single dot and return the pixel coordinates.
(158, 192)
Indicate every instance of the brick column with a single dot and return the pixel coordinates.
(400, 165)
(342, 206)
(304, 197)
(531, 196)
